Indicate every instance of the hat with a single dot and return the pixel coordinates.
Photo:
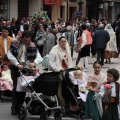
(5, 63)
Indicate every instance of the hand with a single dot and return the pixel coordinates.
(20, 67)
(62, 69)
(97, 90)
(32, 64)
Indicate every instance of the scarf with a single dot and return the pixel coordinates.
(31, 50)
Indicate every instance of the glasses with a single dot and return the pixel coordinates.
(62, 41)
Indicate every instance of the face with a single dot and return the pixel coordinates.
(63, 43)
(5, 33)
(4, 24)
(110, 78)
(26, 40)
(41, 28)
(5, 68)
(8, 23)
(97, 68)
(22, 22)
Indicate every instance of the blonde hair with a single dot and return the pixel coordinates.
(77, 74)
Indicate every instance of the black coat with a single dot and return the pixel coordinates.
(100, 39)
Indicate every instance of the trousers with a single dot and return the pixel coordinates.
(17, 97)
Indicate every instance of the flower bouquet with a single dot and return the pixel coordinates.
(79, 67)
(107, 93)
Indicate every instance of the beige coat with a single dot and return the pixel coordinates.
(2, 49)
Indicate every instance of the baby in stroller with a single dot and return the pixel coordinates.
(6, 83)
(79, 78)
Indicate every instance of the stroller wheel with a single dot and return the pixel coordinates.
(21, 112)
(44, 116)
(58, 116)
(80, 117)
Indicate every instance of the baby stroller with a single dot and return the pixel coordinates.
(45, 84)
(73, 103)
(6, 85)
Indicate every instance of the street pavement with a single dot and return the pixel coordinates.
(6, 104)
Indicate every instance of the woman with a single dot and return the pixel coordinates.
(40, 38)
(85, 43)
(111, 49)
(60, 59)
(60, 56)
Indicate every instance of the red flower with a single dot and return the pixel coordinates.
(108, 86)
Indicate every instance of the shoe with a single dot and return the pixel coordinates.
(13, 111)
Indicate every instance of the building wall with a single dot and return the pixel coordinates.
(70, 5)
(13, 9)
(55, 12)
(35, 5)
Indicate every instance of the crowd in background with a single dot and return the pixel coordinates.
(28, 43)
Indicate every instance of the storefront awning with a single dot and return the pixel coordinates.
(52, 2)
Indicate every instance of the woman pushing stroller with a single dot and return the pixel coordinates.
(60, 59)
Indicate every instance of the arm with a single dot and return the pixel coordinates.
(83, 40)
(37, 36)
(38, 59)
(107, 37)
(12, 59)
(52, 62)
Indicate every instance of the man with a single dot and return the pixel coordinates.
(3, 25)
(19, 54)
(100, 39)
(5, 41)
(9, 28)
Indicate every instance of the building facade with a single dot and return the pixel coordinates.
(19, 8)
(98, 9)
(65, 9)
(61, 8)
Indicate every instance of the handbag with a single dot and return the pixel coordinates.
(76, 47)
(40, 42)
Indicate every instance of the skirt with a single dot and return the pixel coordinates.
(85, 51)
(91, 110)
(110, 113)
(111, 54)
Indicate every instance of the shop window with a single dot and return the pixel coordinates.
(4, 8)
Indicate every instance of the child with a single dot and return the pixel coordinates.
(6, 73)
(79, 78)
(95, 81)
(110, 107)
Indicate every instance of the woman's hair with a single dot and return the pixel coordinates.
(96, 62)
(61, 38)
(114, 72)
(83, 26)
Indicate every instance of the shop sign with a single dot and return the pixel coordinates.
(79, 13)
(52, 2)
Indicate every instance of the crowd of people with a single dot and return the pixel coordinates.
(58, 40)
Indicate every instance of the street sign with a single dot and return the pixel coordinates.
(78, 13)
